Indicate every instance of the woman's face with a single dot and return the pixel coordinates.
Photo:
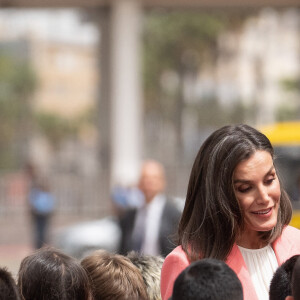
(257, 189)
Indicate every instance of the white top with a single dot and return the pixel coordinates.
(153, 220)
(149, 217)
(261, 264)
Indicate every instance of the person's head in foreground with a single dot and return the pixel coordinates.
(207, 279)
(234, 195)
(281, 283)
(295, 282)
(114, 277)
(150, 268)
(49, 274)
(8, 286)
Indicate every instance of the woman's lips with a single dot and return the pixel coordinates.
(264, 212)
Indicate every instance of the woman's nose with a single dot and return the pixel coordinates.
(262, 195)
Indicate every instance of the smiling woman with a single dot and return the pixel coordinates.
(236, 210)
(257, 190)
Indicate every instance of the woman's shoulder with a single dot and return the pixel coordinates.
(173, 265)
(177, 255)
(290, 236)
(290, 231)
(288, 244)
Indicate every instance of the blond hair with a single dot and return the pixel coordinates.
(114, 276)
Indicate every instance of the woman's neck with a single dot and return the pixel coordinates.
(250, 240)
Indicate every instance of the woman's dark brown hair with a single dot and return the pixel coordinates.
(49, 274)
(212, 217)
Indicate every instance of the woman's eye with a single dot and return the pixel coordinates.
(270, 180)
(244, 189)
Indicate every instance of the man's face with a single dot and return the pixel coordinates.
(152, 180)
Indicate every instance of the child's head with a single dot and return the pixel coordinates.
(52, 275)
(281, 283)
(8, 287)
(114, 276)
(207, 279)
(295, 287)
(150, 268)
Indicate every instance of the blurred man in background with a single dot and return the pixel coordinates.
(150, 229)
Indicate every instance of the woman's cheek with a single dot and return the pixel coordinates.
(276, 192)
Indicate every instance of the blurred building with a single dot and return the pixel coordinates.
(255, 61)
(67, 77)
(252, 63)
(63, 54)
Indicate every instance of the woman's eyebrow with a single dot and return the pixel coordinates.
(249, 181)
(271, 169)
(241, 181)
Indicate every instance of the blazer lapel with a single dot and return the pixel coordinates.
(236, 262)
(284, 250)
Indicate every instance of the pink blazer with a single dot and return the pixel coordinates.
(287, 245)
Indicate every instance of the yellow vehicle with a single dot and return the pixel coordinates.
(285, 137)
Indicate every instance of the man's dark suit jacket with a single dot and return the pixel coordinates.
(167, 232)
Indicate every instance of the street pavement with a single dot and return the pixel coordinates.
(15, 241)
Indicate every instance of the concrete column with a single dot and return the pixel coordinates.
(103, 17)
(126, 100)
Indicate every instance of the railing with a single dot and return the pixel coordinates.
(74, 194)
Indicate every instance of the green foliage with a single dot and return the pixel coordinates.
(180, 42)
(287, 113)
(291, 84)
(16, 77)
(183, 44)
(54, 127)
(17, 82)
(167, 38)
(211, 114)
(289, 110)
